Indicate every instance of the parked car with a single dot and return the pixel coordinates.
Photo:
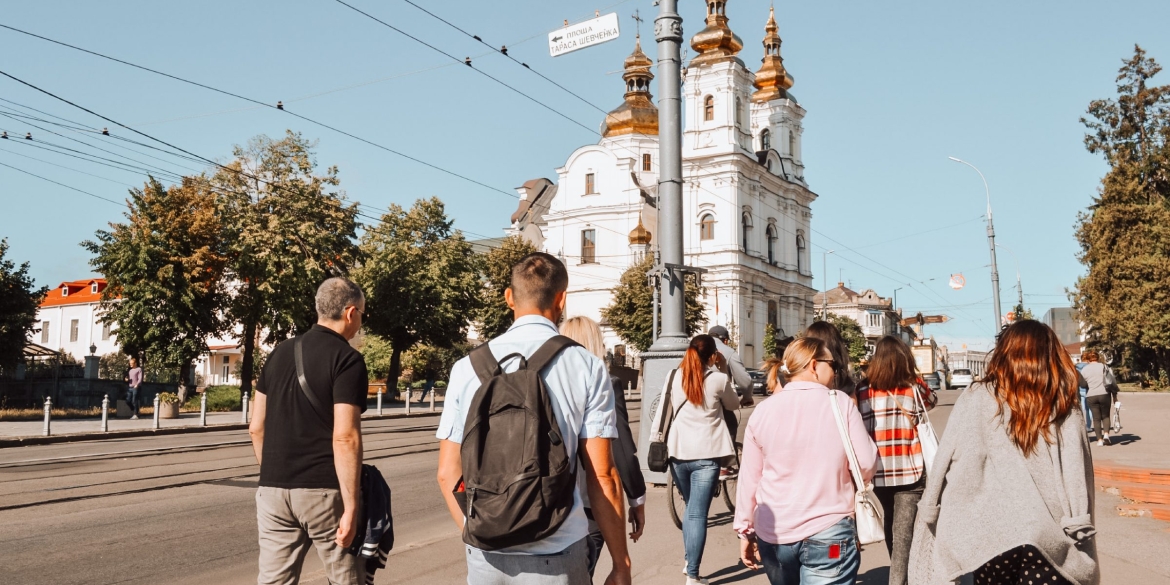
(961, 378)
(932, 380)
(759, 381)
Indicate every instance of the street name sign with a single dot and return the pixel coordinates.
(583, 34)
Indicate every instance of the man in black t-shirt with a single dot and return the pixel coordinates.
(310, 448)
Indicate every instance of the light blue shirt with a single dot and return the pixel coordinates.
(582, 401)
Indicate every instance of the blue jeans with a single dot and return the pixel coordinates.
(829, 557)
(132, 399)
(1085, 410)
(696, 480)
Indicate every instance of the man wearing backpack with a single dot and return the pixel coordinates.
(307, 436)
(517, 534)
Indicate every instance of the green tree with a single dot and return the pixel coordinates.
(427, 362)
(113, 366)
(421, 280)
(852, 335)
(1125, 234)
(19, 299)
(631, 314)
(771, 346)
(494, 317)
(164, 267)
(290, 229)
(376, 352)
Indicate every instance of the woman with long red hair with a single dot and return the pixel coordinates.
(1010, 496)
(698, 440)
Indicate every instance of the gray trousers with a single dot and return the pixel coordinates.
(291, 520)
(568, 567)
(901, 507)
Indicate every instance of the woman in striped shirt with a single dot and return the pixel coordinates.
(891, 412)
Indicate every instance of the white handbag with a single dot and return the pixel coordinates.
(867, 510)
(926, 435)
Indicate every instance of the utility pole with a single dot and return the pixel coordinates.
(667, 350)
(825, 284)
(668, 33)
(991, 244)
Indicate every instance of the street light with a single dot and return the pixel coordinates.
(990, 244)
(896, 297)
(825, 284)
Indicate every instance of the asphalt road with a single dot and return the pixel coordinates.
(179, 509)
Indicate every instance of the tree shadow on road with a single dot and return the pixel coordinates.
(733, 574)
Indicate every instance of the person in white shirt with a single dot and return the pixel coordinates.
(583, 404)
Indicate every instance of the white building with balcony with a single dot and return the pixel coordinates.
(70, 320)
(875, 314)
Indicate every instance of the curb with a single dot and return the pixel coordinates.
(100, 436)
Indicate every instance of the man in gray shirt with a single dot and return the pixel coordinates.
(735, 366)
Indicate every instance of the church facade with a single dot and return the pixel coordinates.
(746, 203)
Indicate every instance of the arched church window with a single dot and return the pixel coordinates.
(707, 227)
(646, 162)
(773, 314)
(800, 253)
(746, 222)
(771, 244)
(765, 140)
(708, 108)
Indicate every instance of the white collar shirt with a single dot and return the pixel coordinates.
(582, 401)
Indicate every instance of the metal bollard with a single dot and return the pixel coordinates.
(156, 411)
(203, 409)
(432, 398)
(244, 407)
(629, 389)
(106, 414)
(48, 413)
(409, 391)
(380, 402)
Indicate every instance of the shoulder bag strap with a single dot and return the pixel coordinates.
(854, 468)
(316, 405)
(485, 364)
(663, 418)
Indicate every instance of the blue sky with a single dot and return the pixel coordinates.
(891, 90)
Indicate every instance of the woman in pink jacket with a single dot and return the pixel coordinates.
(794, 510)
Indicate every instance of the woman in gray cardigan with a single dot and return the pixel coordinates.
(1010, 497)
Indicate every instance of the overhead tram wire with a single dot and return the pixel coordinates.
(60, 184)
(241, 97)
(49, 147)
(63, 167)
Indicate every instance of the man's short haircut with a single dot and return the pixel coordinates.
(537, 279)
(334, 295)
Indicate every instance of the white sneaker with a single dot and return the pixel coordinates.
(1106, 440)
(693, 581)
(135, 417)
(1100, 443)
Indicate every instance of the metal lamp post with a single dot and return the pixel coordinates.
(990, 244)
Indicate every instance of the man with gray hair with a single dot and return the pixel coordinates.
(311, 454)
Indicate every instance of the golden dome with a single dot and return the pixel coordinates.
(772, 80)
(637, 114)
(716, 42)
(640, 235)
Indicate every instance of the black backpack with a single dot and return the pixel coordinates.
(518, 482)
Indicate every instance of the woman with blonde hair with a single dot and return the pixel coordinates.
(698, 439)
(795, 506)
(1010, 495)
(587, 332)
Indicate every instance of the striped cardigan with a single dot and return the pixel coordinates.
(890, 417)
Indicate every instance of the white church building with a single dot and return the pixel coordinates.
(745, 200)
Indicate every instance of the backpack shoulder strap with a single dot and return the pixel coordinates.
(317, 407)
(548, 351)
(484, 362)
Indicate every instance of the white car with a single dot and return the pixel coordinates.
(961, 378)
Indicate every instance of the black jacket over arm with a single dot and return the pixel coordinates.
(625, 449)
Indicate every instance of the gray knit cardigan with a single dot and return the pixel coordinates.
(984, 497)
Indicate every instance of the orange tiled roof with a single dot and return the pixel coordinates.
(79, 293)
